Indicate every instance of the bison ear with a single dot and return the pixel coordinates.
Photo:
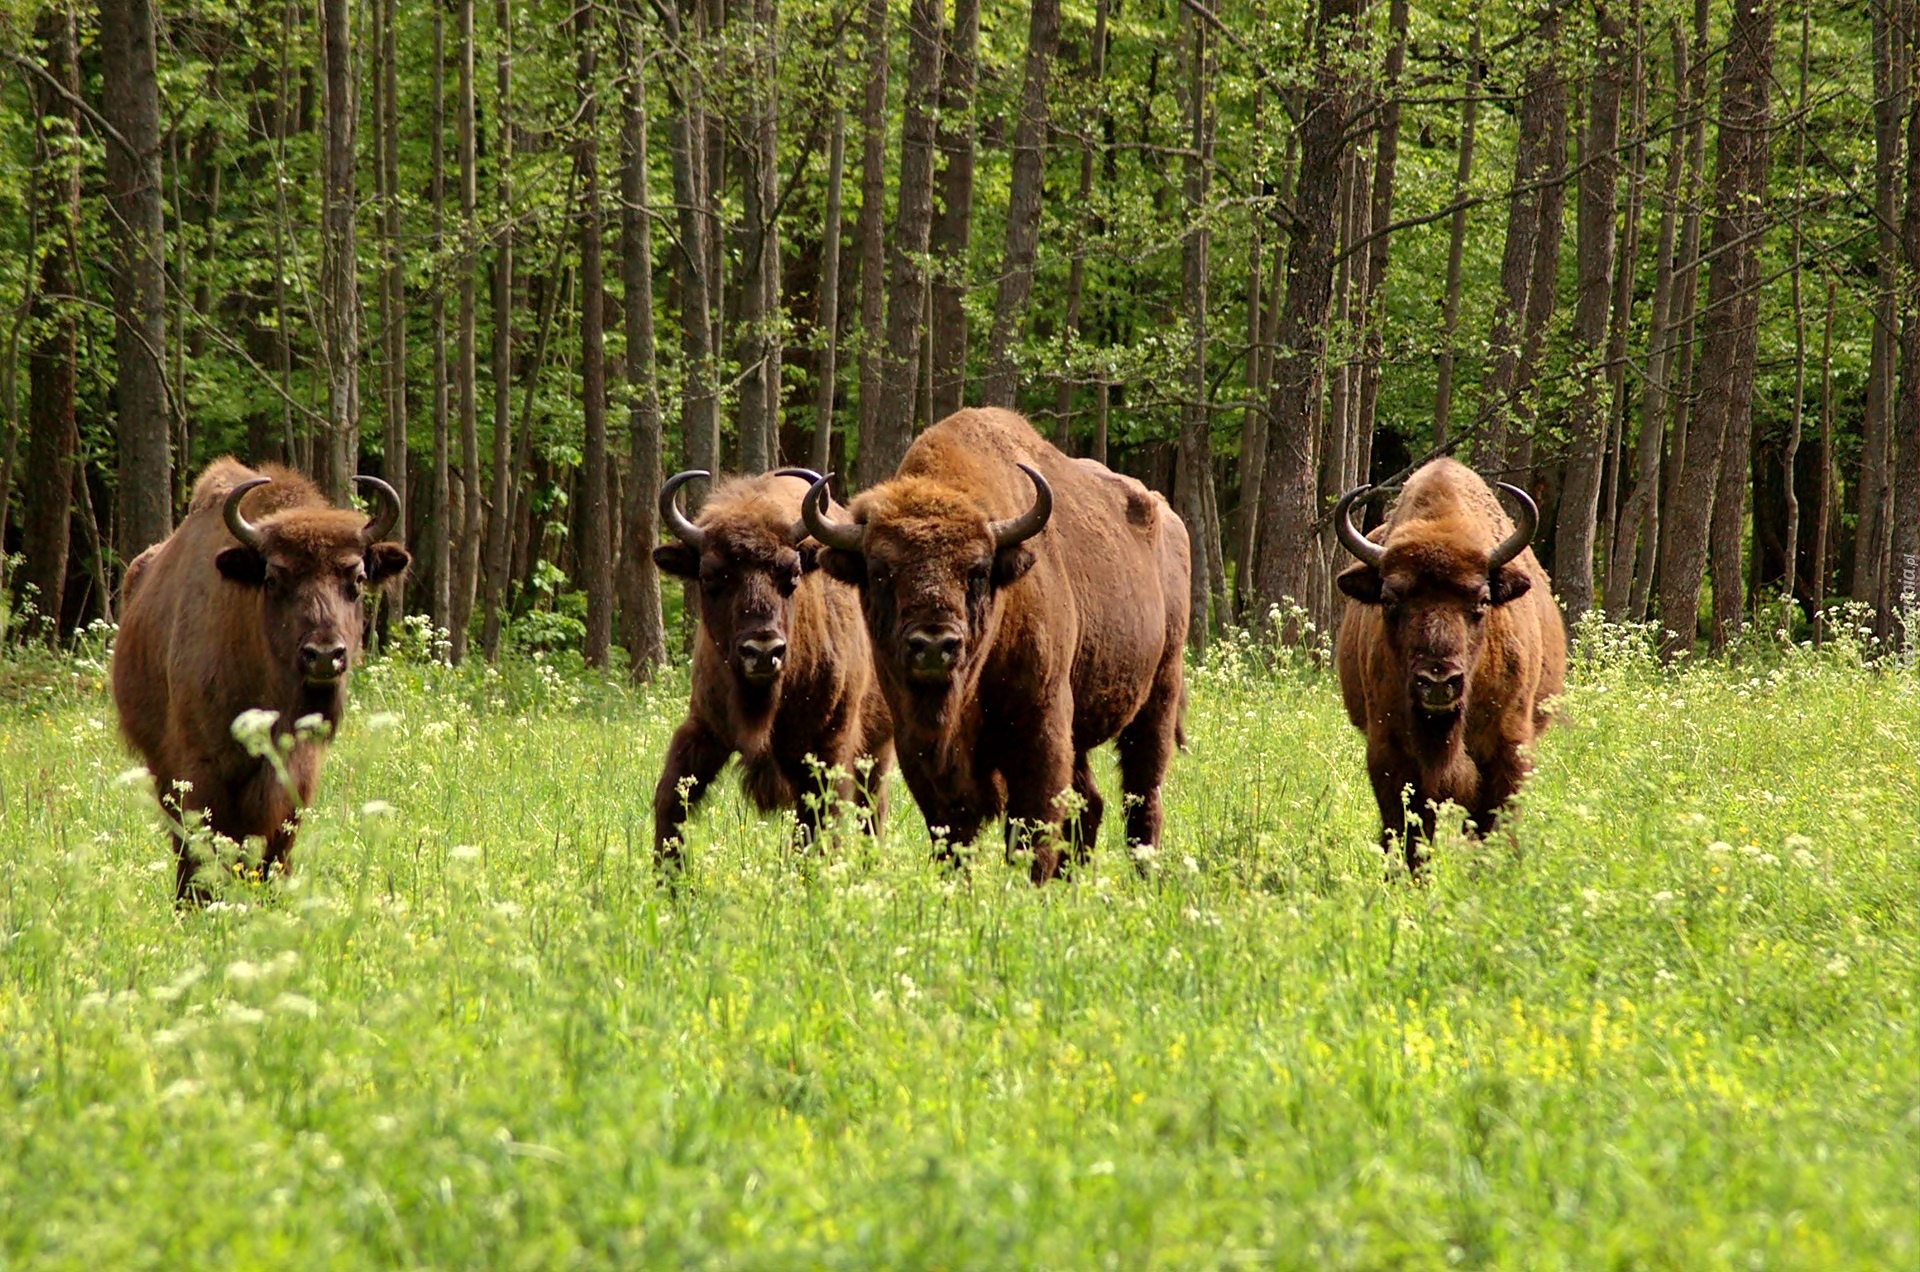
(386, 562)
(242, 565)
(1508, 583)
(1010, 565)
(809, 557)
(677, 559)
(1361, 582)
(849, 567)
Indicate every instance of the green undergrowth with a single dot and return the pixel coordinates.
(1664, 1018)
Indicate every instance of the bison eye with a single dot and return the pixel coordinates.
(787, 581)
(353, 585)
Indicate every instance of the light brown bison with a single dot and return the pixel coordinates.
(1449, 649)
(782, 672)
(254, 602)
(1024, 608)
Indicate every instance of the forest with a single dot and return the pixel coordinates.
(1655, 262)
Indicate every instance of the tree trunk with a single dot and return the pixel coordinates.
(53, 434)
(1379, 217)
(873, 234)
(1620, 323)
(339, 326)
(880, 453)
(465, 369)
(758, 247)
(699, 407)
(1716, 452)
(440, 537)
(1287, 557)
(131, 97)
(953, 227)
(1871, 529)
(500, 528)
(1636, 537)
(1587, 415)
(1791, 454)
(393, 283)
(1077, 269)
(1542, 285)
(1904, 564)
(1543, 98)
(1196, 452)
(827, 320)
(1023, 205)
(596, 542)
(1686, 298)
(643, 628)
(1823, 508)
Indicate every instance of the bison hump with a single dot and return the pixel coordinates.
(1140, 502)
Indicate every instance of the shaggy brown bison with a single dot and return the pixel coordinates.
(254, 602)
(782, 672)
(1024, 608)
(1449, 649)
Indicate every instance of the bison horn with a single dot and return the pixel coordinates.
(1029, 523)
(798, 530)
(835, 534)
(1524, 525)
(1350, 537)
(238, 526)
(670, 515)
(386, 510)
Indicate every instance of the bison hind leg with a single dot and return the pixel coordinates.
(1084, 829)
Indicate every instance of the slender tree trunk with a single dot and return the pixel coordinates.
(1717, 444)
(1823, 509)
(1456, 246)
(1620, 324)
(339, 327)
(131, 101)
(1904, 562)
(1636, 537)
(1287, 557)
(1023, 206)
(1542, 285)
(873, 233)
(1790, 457)
(596, 542)
(1379, 217)
(1077, 268)
(1587, 415)
(500, 527)
(53, 435)
(1686, 301)
(465, 368)
(827, 320)
(440, 536)
(642, 625)
(1196, 452)
(880, 453)
(953, 226)
(396, 462)
(758, 248)
(1874, 522)
(1543, 97)
(699, 406)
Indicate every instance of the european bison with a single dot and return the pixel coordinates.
(782, 672)
(1450, 647)
(254, 602)
(1024, 608)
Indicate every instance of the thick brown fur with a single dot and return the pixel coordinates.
(209, 629)
(823, 707)
(1070, 639)
(1418, 611)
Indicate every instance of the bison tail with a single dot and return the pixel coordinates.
(1180, 722)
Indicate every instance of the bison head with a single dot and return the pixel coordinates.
(930, 567)
(311, 566)
(747, 561)
(1434, 594)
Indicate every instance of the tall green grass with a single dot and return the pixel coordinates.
(1666, 1019)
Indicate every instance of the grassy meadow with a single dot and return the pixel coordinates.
(1666, 1020)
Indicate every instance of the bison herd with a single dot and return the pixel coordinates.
(984, 619)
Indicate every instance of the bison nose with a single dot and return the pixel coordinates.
(931, 654)
(323, 662)
(762, 656)
(1438, 688)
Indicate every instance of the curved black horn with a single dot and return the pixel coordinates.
(386, 512)
(798, 530)
(1350, 537)
(1524, 525)
(1029, 523)
(670, 515)
(238, 526)
(835, 534)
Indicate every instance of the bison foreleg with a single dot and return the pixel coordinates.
(1084, 830)
(1500, 778)
(694, 758)
(1036, 815)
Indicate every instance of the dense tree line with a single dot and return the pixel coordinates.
(1654, 260)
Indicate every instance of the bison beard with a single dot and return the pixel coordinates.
(1024, 607)
(254, 602)
(1449, 650)
(782, 673)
